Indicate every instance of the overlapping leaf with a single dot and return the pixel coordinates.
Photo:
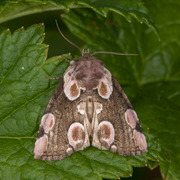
(128, 8)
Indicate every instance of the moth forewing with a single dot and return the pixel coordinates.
(88, 103)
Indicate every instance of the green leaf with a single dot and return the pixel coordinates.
(151, 79)
(25, 92)
(130, 9)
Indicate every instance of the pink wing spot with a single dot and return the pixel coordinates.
(74, 91)
(40, 146)
(76, 135)
(71, 90)
(140, 140)
(106, 133)
(48, 121)
(105, 87)
(104, 90)
(131, 118)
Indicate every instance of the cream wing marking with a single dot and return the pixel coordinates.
(131, 118)
(97, 109)
(76, 136)
(87, 126)
(106, 134)
(47, 122)
(41, 144)
(73, 87)
(103, 132)
(139, 138)
(105, 87)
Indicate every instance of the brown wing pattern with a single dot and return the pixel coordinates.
(52, 143)
(65, 113)
(114, 111)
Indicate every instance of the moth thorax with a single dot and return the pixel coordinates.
(81, 84)
(89, 71)
(90, 84)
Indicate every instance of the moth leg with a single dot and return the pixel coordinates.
(65, 58)
(54, 78)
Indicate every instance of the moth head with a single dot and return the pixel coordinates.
(87, 73)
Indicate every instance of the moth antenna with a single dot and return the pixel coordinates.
(67, 38)
(102, 52)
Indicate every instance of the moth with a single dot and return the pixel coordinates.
(87, 107)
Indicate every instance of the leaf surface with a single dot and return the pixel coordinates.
(129, 9)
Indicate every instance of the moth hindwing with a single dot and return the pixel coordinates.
(88, 103)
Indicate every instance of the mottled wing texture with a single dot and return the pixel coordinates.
(128, 138)
(53, 144)
(88, 104)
